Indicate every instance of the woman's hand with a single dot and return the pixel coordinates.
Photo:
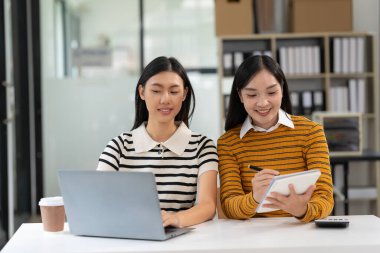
(170, 219)
(295, 204)
(260, 183)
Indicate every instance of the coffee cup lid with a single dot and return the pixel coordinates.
(51, 201)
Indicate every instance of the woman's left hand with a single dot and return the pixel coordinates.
(295, 204)
(170, 219)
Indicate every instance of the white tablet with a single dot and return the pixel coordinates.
(300, 180)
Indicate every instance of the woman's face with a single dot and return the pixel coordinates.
(262, 99)
(163, 94)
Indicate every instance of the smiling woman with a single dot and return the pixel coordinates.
(163, 95)
(262, 99)
(184, 163)
(261, 132)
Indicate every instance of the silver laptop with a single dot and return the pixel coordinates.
(114, 204)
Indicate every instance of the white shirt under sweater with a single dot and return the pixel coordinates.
(176, 163)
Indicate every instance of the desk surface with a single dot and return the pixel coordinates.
(285, 235)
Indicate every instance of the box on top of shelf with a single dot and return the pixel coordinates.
(233, 17)
(321, 15)
(343, 132)
(272, 16)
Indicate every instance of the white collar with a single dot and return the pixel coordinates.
(283, 119)
(176, 143)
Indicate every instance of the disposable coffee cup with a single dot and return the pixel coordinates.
(52, 213)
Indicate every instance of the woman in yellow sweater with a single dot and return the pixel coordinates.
(261, 131)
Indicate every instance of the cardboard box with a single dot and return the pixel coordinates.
(233, 17)
(272, 16)
(321, 15)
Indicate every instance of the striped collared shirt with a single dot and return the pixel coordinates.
(176, 163)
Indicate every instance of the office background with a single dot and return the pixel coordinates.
(82, 101)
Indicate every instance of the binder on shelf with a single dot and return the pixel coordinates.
(344, 98)
(339, 99)
(304, 61)
(348, 55)
(238, 59)
(345, 55)
(353, 55)
(353, 95)
(268, 53)
(309, 58)
(291, 60)
(318, 101)
(360, 54)
(332, 99)
(295, 100)
(316, 59)
(362, 107)
(307, 102)
(297, 60)
(264, 52)
(256, 52)
(301, 60)
(227, 64)
(337, 54)
(283, 59)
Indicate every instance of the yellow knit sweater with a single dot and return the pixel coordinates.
(286, 150)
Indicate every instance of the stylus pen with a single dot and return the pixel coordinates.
(255, 168)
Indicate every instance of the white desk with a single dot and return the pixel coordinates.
(285, 235)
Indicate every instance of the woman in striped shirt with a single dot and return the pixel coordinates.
(261, 131)
(184, 162)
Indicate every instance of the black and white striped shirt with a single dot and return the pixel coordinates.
(176, 163)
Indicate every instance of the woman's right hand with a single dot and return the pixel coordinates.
(261, 181)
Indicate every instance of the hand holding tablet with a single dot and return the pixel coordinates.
(280, 184)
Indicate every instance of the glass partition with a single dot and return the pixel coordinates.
(181, 28)
(90, 68)
(185, 29)
(90, 63)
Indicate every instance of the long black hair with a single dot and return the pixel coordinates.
(156, 66)
(247, 70)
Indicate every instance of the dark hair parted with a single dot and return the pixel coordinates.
(247, 70)
(161, 64)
